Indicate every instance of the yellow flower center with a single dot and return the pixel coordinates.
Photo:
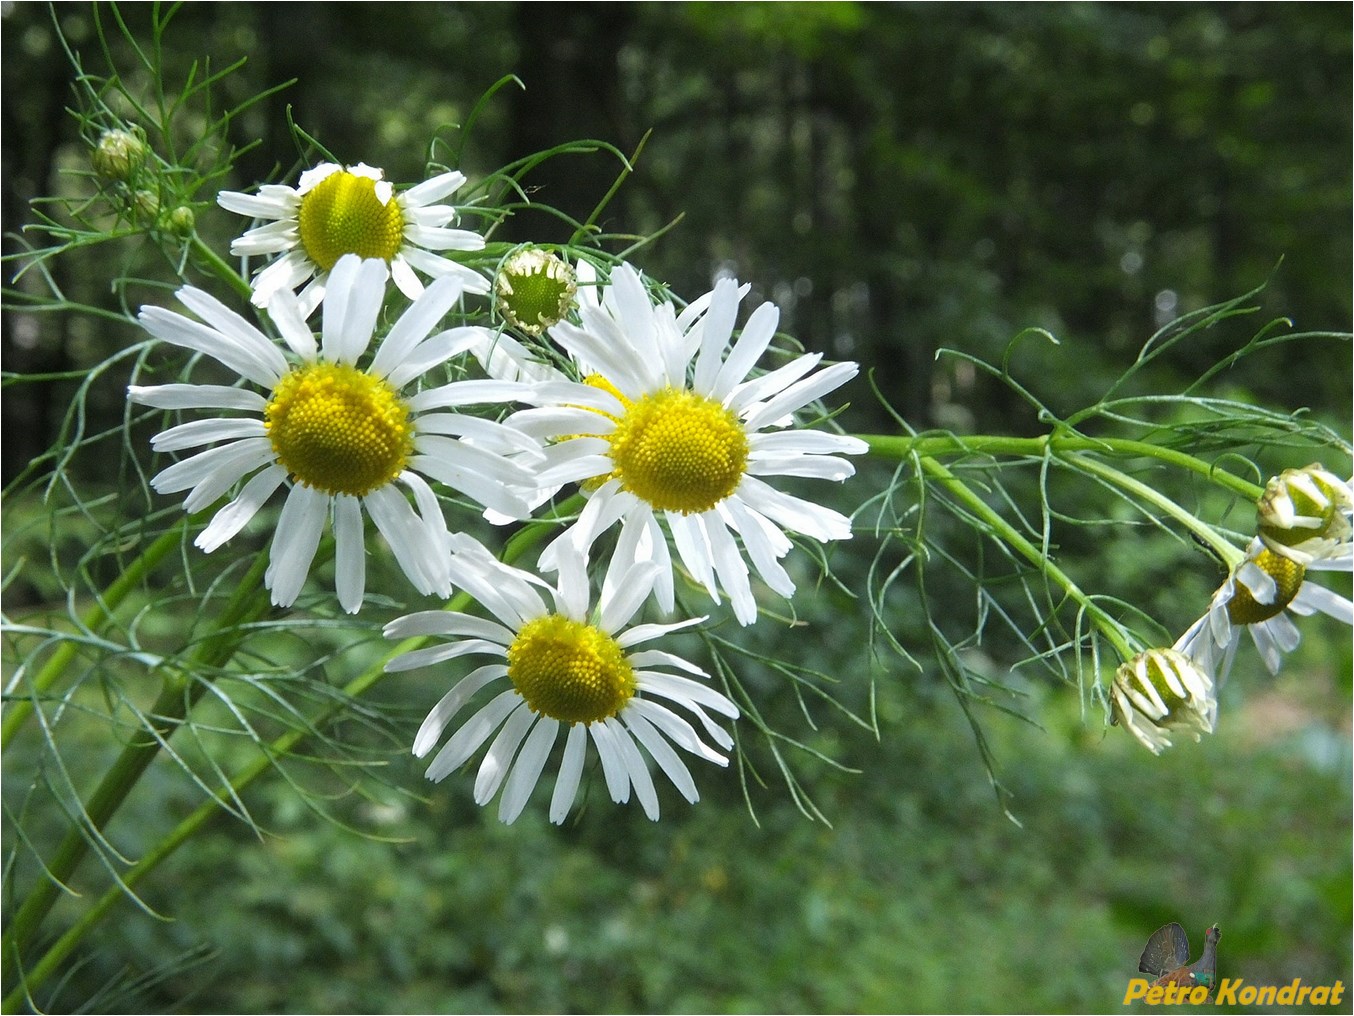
(569, 671)
(677, 450)
(339, 430)
(1243, 608)
(342, 215)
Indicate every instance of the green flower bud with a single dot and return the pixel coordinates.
(145, 206)
(534, 290)
(1161, 690)
(181, 222)
(118, 154)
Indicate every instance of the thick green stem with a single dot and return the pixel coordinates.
(899, 447)
(961, 492)
(220, 269)
(112, 598)
(249, 601)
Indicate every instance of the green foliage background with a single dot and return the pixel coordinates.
(899, 178)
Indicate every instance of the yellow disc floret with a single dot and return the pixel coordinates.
(342, 214)
(679, 451)
(570, 671)
(338, 430)
(1243, 608)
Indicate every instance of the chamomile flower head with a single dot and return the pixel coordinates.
(1304, 515)
(1261, 592)
(562, 669)
(335, 211)
(669, 431)
(1161, 690)
(535, 289)
(340, 438)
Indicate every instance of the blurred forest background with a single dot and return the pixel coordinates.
(897, 178)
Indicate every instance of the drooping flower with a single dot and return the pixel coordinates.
(570, 670)
(341, 438)
(336, 210)
(1261, 591)
(668, 425)
(1304, 515)
(1162, 690)
(534, 289)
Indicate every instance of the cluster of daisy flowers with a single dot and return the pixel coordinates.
(1303, 524)
(658, 415)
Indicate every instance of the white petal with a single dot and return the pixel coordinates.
(767, 385)
(683, 691)
(181, 396)
(350, 553)
(471, 393)
(352, 301)
(498, 759)
(527, 771)
(716, 328)
(407, 537)
(613, 762)
(634, 765)
(618, 603)
(431, 353)
(290, 317)
(432, 190)
(571, 768)
(800, 394)
(234, 516)
(273, 201)
(258, 360)
(817, 467)
(693, 547)
(729, 566)
(792, 513)
(751, 344)
(196, 433)
(805, 442)
(451, 703)
(1312, 597)
(415, 324)
(466, 741)
(442, 622)
(298, 534)
(662, 753)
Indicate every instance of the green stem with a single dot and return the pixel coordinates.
(250, 600)
(1017, 540)
(1222, 547)
(518, 545)
(221, 269)
(94, 617)
(896, 447)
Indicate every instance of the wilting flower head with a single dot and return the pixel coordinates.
(535, 289)
(335, 211)
(569, 669)
(342, 439)
(1304, 514)
(669, 425)
(1162, 690)
(1259, 594)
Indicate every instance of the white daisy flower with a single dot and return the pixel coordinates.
(1262, 589)
(571, 670)
(669, 426)
(341, 438)
(1304, 514)
(1162, 690)
(336, 210)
